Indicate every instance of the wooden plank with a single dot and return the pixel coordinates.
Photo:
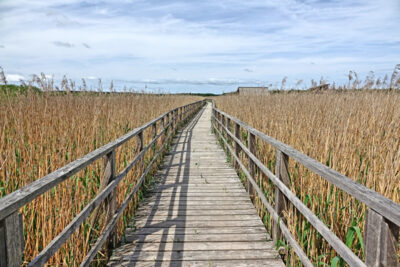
(196, 238)
(195, 190)
(209, 212)
(183, 199)
(163, 206)
(187, 218)
(201, 186)
(224, 263)
(196, 231)
(200, 246)
(198, 223)
(198, 203)
(197, 255)
(220, 193)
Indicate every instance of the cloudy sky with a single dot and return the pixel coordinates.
(198, 46)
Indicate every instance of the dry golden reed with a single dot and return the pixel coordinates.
(355, 133)
(42, 132)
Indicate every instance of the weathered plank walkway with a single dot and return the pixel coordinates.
(199, 214)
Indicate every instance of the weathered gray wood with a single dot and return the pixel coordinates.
(388, 208)
(212, 263)
(11, 240)
(237, 147)
(184, 217)
(282, 172)
(162, 129)
(180, 219)
(139, 147)
(199, 246)
(329, 236)
(3, 245)
(252, 167)
(381, 240)
(149, 238)
(111, 200)
(199, 255)
(204, 212)
(197, 231)
(154, 130)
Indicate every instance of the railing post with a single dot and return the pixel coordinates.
(181, 113)
(237, 146)
(381, 240)
(212, 118)
(222, 127)
(11, 240)
(228, 127)
(282, 172)
(251, 139)
(173, 121)
(111, 201)
(219, 125)
(162, 129)
(154, 130)
(139, 149)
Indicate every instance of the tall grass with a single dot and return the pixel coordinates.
(355, 133)
(42, 132)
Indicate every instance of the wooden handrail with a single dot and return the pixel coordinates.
(384, 206)
(10, 204)
(386, 212)
(15, 200)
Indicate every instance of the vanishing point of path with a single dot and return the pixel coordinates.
(199, 214)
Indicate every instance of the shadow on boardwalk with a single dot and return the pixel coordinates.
(184, 137)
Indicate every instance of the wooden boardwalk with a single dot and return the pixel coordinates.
(199, 214)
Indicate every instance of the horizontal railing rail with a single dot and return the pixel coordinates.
(11, 237)
(382, 219)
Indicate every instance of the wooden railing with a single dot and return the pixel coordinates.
(11, 224)
(382, 218)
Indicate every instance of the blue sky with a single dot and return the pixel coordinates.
(198, 46)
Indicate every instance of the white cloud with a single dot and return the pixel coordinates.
(14, 77)
(233, 39)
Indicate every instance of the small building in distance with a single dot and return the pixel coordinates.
(252, 90)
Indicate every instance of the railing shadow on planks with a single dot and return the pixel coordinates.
(382, 218)
(11, 224)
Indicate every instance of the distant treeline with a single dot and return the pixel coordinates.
(12, 90)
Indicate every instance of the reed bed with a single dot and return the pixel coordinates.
(42, 132)
(355, 133)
